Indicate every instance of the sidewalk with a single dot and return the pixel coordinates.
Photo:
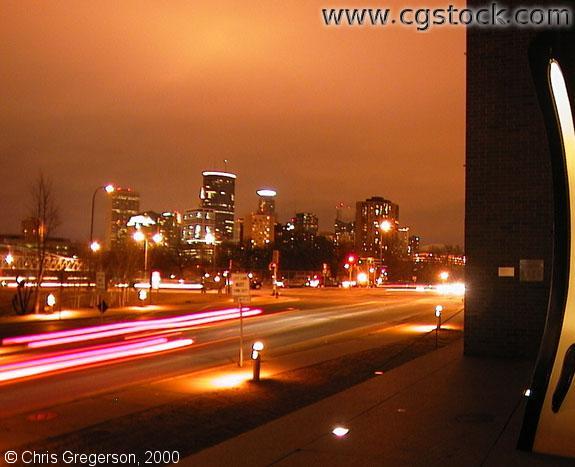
(442, 409)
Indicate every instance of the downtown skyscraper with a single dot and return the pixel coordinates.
(218, 194)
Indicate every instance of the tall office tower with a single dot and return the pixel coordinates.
(376, 223)
(403, 241)
(218, 193)
(259, 228)
(198, 227)
(170, 226)
(124, 203)
(267, 202)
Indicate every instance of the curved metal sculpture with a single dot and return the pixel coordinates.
(549, 422)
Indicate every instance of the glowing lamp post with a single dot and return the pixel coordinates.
(385, 227)
(438, 310)
(257, 348)
(50, 302)
(349, 266)
(108, 189)
(444, 275)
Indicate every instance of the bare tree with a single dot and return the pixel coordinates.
(45, 215)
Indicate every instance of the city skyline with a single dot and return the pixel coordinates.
(322, 116)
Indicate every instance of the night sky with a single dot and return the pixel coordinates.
(147, 94)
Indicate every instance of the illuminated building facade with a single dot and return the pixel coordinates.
(124, 204)
(259, 227)
(267, 202)
(198, 234)
(198, 225)
(370, 238)
(218, 194)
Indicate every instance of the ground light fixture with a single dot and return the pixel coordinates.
(256, 356)
(340, 431)
(438, 310)
(142, 294)
(51, 300)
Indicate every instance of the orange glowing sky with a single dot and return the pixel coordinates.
(147, 94)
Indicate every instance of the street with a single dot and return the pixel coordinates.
(326, 322)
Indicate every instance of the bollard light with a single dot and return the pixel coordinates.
(438, 310)
(257, 347)
(51, 300)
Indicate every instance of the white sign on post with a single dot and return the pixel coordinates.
(241, 288)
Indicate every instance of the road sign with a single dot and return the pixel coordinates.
(101, 281)
(241, 287)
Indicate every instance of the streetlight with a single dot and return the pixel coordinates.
(139, 237)
(349, 266)
(384, 226)
(95, 246)
(109, 188)
(444, 275)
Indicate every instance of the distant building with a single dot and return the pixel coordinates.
(198, 234)
(403, 241)
(305, 223)
(267, 202)
(344, 225)
(343, 232)
(414, 242)
(371, 239)
(55, 245)
(218, 194)
(124, 204)
(170, 226)
(239, 230)
(300, 230)
(198, 225)
(259, 226)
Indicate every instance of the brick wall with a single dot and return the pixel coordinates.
(508, 197)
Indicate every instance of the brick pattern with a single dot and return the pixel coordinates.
(508, 196)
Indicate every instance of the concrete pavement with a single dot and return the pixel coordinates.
(441, 409)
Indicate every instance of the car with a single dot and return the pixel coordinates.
(255, 284)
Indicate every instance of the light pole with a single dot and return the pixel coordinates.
(384, 226)
(211, 240)
(157, 238)
(140, 236)
(108, 189)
